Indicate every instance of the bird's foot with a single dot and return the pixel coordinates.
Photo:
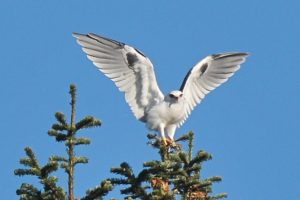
(164, 141)
(168, 142)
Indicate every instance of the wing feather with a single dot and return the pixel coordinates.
(207, 75)
(130, 70)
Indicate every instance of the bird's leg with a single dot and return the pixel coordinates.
(170, 130)
(162, 134)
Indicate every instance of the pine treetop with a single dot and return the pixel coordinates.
(177, 172)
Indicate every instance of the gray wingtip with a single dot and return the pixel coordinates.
(106, 40)
(245, 54)
(229, 54)
(101, 39)
(77, 35)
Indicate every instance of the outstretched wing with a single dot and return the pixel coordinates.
(130, 70)
(207, 75)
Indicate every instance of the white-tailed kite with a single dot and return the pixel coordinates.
(133, 73)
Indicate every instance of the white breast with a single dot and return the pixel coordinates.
(165, 114)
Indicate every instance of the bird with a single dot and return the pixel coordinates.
(133, 73)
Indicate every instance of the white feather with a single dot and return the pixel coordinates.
(137, 81)
(133, 74)
(218, 69)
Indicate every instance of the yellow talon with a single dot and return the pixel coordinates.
(165, 142)
(168, 142)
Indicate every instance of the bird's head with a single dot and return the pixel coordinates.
(175, 96)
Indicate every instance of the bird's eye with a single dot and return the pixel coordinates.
(181, 95)
(171, 95)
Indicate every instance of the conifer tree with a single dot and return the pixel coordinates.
(66, 133)
(177, 172)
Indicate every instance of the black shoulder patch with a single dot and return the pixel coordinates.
(203, 68)
(131, 59)
(185, 80)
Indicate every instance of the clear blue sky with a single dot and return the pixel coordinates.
(250, 124)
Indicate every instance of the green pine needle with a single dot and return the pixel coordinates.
(30, 154)
(82, 141)
(49, 168)
(59, 127)
(88, 122)
(61, 118)
(80, 160)
(58, 159)
(99, 191)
